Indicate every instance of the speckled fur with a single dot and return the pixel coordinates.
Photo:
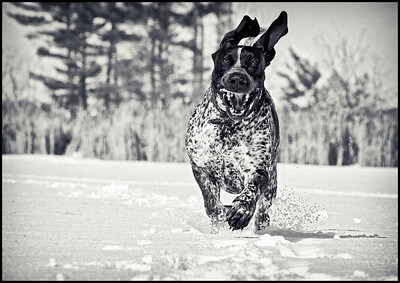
(238, 157)
(234, 153)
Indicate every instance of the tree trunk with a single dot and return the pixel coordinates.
(82, 83)
(224, 20)
(110, 65)
(152, 67)
(70, 71)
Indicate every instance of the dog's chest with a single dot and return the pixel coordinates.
(238, 148)
(212, 144)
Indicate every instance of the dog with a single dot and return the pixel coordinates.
(232, 139)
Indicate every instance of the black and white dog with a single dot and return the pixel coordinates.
(233, 135)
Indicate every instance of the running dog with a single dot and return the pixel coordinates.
(232, 138)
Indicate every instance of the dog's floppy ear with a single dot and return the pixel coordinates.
(246, 28)
(268, 40)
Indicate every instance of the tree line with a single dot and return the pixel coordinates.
(338, 112)
(129, 74)
(113, 55)
(79, 33)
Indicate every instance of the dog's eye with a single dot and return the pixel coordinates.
(253, 62)
(225, 61)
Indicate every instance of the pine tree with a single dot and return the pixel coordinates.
(223, 12)
(301, 82)
(114, 16)
(193, 20)
(67, 30)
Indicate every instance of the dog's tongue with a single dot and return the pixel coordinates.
(238, 102)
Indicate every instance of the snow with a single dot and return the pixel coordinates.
(139, 221)
(176, 230)
(301, 251)
(132, 265)
(147, 259)
(52, 262)
(218, 244)
(143, 242)
(60, 277)
(112, 248)
(344, 256)
(359, 273)
(67, 266)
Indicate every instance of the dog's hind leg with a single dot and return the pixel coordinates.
(262, 219)
(211, 195)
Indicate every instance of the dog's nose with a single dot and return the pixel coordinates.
(237, 82)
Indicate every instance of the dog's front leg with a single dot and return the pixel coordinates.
(211, 195)
(244, 205)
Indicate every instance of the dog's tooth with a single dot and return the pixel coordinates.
(247, 98)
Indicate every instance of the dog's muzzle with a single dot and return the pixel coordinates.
(238, 93)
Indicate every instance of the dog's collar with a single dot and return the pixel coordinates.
(225, 119)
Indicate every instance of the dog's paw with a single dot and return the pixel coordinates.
(219, 213)
(218, 218)
(240, 214)
(262, 221)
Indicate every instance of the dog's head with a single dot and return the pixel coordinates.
(239, 64)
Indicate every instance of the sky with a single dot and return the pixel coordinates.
(307, 21)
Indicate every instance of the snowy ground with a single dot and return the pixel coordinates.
(71, 219)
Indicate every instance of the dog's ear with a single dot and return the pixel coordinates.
(214, 55)
(246, 28)
(268, 40)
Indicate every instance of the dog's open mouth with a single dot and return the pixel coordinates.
(239, 105)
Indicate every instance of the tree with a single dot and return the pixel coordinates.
(353, 93)
(338, 110)
(302, 78)
(193, 21)
(30, 123)
(114, 15)
(67, 29)
(223, 12)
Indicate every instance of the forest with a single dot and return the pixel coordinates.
(121, 80)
